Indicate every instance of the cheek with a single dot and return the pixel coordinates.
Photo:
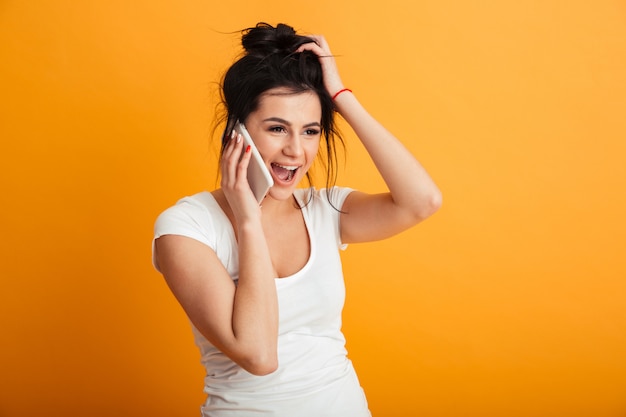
(311, 154)
(266, 148)
(313, 148)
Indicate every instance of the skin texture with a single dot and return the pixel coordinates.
(273, 242)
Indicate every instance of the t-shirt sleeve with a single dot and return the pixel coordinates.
(187, 218)
(337, 196)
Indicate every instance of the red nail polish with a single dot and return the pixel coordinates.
(248, 148)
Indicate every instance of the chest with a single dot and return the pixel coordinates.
(289, 244)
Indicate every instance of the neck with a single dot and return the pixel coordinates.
(272, 207)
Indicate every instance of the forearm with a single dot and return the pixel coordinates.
(409, 184)
(255, 308)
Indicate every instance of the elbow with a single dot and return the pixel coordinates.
(263, 370)
(428, 206)
(435, 201)
(260, 365)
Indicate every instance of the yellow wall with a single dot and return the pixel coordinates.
(511, 301)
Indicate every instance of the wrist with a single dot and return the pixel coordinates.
(341, 91)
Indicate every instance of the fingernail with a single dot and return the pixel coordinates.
(232, 134)
(248, 148)
(238, 138)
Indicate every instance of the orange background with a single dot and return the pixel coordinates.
(511, 301)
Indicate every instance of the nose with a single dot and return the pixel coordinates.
(293, 146)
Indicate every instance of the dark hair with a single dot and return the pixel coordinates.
(270, 61)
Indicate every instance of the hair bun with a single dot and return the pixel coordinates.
(264, 39)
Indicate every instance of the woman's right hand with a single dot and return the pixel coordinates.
(241, 321)
(234, 183)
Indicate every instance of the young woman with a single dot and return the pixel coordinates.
(262, 284)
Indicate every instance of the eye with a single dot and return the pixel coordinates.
(312, 132)
(277, 129)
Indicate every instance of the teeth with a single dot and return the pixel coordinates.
(287, 167)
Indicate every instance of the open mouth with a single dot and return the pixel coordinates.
(284, 172)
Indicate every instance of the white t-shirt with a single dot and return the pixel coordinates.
(314, 376)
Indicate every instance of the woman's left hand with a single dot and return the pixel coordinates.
(332, 80)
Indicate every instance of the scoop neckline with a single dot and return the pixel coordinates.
(307, 225)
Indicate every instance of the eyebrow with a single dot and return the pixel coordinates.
(279, 120)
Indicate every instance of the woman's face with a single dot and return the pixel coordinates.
(286, 129)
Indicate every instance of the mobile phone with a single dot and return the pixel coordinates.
(259, 176)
